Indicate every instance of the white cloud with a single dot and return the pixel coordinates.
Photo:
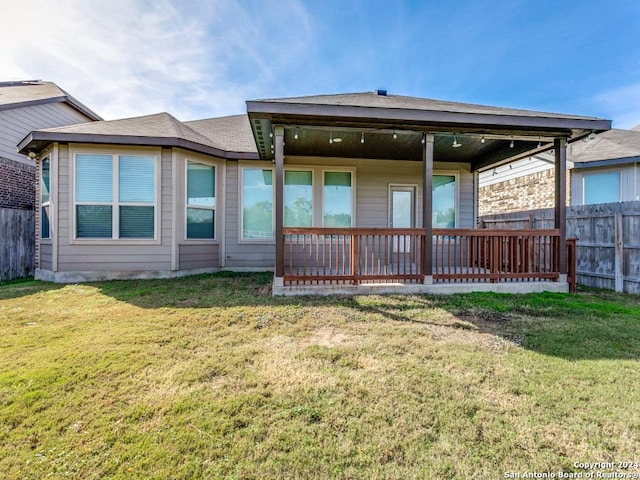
(622, 105)
(133, 57)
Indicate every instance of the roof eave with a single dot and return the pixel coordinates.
(27, 143)
(76, 105)
(607, 163)
(257, 109)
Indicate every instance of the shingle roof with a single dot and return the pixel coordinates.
(613, 144)
(30, 92)
(372, 99)
(231, 133)
(159, 125)
(213, 136)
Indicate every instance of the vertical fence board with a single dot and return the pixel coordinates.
(17, 243)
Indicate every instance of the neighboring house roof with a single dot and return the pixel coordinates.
(614, 147)
(26, 93)
(161, 129)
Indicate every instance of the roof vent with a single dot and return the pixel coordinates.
(382, 93)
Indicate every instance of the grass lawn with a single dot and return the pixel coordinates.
(210, 377)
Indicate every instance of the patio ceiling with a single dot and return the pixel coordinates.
(393, 128)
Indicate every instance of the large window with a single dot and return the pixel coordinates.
(201, 200)
(335, 188)
(257, 203)
(601, 187)
(298, 198)
(337, 199)
(444, 201)
(115, 196)
(45, 189)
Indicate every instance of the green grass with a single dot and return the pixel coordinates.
(211, 377)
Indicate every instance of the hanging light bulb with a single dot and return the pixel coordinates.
(362, 137)
(539, 143)
(330, 137)
(511, 144)
(424, 138)
(482, 140)
(270, 134)
(395, 135)
(295, 136)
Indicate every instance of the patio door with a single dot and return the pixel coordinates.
(402, 207)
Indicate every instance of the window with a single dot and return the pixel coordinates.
(201, 200)
(257, 203)
(337, 199)
(298, 198)
(444, 201)
(45, 188)
(115, 196)
(334, 193)
(601, 187)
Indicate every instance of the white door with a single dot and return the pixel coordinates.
(402, 214)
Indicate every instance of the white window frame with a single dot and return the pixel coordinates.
(115, 202)
(330, 169)
(456, 174)
(302, 168)
(317, 180)
(47, 203)
(264, 241)
(216, 168)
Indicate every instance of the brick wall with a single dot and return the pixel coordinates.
(17, 184)
(524, 193)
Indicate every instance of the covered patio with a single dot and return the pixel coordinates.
(412, 245)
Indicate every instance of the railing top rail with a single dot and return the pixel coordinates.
(480, 232)
(492, 232)
(351, 231)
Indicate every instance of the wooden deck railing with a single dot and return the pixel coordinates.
(360, 255)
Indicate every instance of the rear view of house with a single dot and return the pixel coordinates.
(328, 192)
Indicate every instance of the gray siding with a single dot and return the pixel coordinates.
(15, 124)
(113, 255)
(46, 256)
(372, 179)
(242, 255)
(194, 257)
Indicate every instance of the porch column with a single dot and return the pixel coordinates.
(427, 207)
(279, 203)
(560, 150)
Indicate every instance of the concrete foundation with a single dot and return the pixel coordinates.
(419, 289)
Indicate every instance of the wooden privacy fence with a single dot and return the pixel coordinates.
(363, 255)
(17, 243)
(608, 240)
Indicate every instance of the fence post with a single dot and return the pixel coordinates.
(619, 253)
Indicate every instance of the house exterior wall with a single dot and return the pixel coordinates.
(106, 255)
(529, 192)
(372, 179)
(64, 258)
(16, 123)
(17, 184)
(629, 182)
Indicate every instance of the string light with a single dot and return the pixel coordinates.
(362, 137)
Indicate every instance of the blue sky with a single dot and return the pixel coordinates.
(204, 58)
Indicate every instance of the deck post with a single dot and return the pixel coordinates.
(560, 150)
(427, 206)
(278, 133)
